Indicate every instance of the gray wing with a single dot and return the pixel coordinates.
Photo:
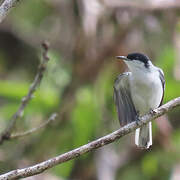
(161, 75)
(124, 104)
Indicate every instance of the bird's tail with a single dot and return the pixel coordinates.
(143, 136)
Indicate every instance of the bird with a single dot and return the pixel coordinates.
(137, 92)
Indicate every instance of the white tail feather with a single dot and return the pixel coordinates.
(143, 136)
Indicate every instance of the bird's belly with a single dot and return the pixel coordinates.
(146, 96)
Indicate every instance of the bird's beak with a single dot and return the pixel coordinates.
(123, 58)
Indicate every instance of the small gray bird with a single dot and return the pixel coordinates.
(137, 92)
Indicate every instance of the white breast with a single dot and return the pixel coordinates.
(146, 91)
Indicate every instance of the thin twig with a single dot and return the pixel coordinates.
(5, 135)
(39, 168)
(5, 8)
(31, 131)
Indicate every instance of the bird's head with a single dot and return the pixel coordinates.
(136, 61)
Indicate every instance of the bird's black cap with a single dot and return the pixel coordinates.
(139, 57)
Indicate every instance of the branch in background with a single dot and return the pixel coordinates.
(149, 6)
(5, 135)
(31, 131)
(5, 8)
(39, 168)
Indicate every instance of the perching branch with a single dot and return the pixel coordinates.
(39, 168)
(33, 130)
(5, 135)
(5, 8)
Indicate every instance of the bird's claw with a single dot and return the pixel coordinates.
(137, 119)
(153, 111)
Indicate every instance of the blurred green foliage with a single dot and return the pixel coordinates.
(166, 60)
(30, 18)
(85, 117)
(93, 113)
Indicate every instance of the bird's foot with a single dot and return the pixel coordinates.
(153, 111)
(137, 119)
